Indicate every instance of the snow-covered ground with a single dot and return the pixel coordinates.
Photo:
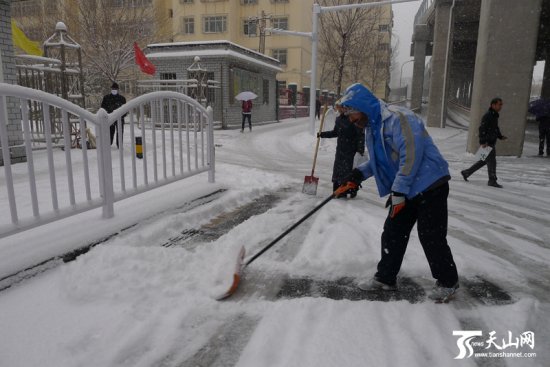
(145, 297)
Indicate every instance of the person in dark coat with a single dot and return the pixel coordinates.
(541, 109)
(544, 134)
(489, 132)
(246, 107)
(111, 102)
(318, 108)
(351, 140)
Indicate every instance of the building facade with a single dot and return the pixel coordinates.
(232, 68)
(239, 21)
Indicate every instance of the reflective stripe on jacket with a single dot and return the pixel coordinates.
(413, 161)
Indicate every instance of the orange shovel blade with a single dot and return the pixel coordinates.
(236, 276)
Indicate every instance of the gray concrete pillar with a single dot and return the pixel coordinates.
(420, 38)
(506, 49)
(437, 110)
(545, 90)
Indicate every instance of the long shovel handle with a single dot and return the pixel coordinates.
(289, 230)
(319, 138)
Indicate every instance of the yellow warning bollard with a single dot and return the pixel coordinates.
(139, 148)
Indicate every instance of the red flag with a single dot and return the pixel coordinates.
(141, 60)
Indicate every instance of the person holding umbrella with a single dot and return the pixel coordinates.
(246, 107)
(541, 109)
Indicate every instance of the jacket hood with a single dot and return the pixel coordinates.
(358, 97)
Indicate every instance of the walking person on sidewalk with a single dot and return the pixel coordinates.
(111, 102)
(350, 140)
(247, 114)
(489, 132)
(541, 109)
(406, 165)
(318, 108)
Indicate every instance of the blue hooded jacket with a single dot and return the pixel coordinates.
(403, 156)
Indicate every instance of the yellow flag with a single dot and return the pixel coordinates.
(21, 41)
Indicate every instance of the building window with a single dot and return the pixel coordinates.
(265, 93)
(170, 13)
(24, 8)
(383, 28)
(249, 27)
(186, 1)
(280, 22)
(241, 80)
(279, 1)
(280, 54)
(215, 24)
(131, 3)
(249, 2)
(167, 76)
(188, 25)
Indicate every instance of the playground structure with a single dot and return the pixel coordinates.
(58, 73)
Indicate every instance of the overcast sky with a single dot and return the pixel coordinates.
(403, 24)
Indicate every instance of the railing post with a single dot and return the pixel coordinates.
(7, 158)
(106, 167)
(211, 151)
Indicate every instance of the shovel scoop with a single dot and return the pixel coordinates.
(311, 182)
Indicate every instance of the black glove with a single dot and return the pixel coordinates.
(318, 135)
(355, 176)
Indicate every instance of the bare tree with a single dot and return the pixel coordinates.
(107, 30)
(349, 44)
(37, 18)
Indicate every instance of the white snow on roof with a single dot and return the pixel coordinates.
(191, 53)
(209, 43)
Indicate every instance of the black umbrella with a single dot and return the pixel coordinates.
(540, 107)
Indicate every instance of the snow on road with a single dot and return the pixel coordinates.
(133, 301)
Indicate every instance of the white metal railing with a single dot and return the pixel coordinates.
(177, 139)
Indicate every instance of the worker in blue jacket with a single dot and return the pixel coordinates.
(408, 167)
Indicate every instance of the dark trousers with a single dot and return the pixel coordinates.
(544, 134)
(249, 117)
(490, 161)
(429, 211)
(115, 127)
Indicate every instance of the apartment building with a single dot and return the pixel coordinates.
(239, 21)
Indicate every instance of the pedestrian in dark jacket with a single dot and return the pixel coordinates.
(407, 166)
(351, 140)
(247, 114)
(318, 108)
(489, 132)
(111, 102)
(544, 134)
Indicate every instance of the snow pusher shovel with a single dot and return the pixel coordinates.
(310, 182)
(241, 264)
